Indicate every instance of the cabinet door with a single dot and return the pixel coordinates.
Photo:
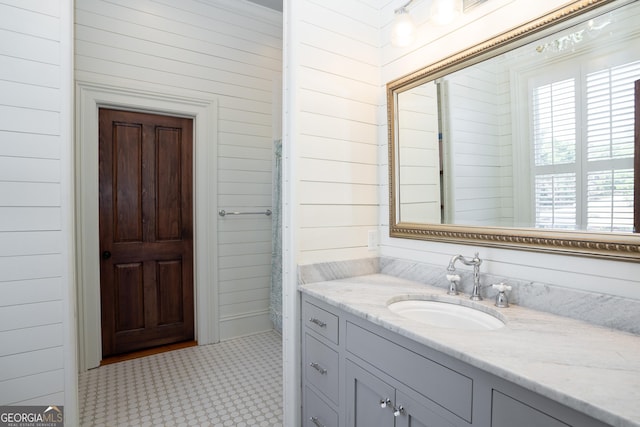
(365, 394)
(415, 414)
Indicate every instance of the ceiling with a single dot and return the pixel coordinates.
(271, 4)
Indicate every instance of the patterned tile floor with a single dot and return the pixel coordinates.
(234, 383)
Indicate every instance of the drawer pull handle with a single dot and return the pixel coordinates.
(398, 411)
(318, 368)
(316, 421)
(318, 322)
(385, 402)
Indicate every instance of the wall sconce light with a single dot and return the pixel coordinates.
(403, 30)
(443, 12)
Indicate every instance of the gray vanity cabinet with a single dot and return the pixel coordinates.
(512, 405)
(321, 367)
(438, 388)
(317, 413)
(417, 415)
(358, 374)
(371, 402)
(509, 412)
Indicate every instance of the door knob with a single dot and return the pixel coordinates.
(106, 255)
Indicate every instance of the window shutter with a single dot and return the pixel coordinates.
(554, 123)
(610, 200)
(610, 147)
(554, 145)
(592, 188)
(555, 196)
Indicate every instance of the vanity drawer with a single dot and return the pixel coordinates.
(321, 367)
(320, 321)
(316, 412)
(507, 412)
(446, 387)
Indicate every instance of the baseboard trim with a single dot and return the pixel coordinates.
(245, 324)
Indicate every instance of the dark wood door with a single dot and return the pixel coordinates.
(146, 230)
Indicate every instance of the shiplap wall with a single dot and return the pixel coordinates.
(418, 151)
(36, 358)
(434, 43)
(336, 125)
(218, 49)
(481, 192)
(330, 151)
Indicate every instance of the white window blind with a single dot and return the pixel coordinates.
(585, 185)
(610, 200)
(554, 118)
(556, 200)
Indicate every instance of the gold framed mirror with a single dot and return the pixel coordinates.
(528, 140)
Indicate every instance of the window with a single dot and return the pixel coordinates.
(583, 148)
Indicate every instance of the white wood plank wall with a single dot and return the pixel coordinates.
(34, 281)
(483, 189)
(419, 154)
(219, 49)
(337, 68)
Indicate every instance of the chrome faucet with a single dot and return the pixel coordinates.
(475, 261)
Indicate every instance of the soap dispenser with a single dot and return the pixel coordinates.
(501, 299)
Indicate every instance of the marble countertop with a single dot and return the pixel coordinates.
(591, 369)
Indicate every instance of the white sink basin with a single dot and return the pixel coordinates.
(446, 315)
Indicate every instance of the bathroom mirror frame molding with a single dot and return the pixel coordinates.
(608, 245)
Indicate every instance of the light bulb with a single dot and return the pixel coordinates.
(403, 29)
(443, 12)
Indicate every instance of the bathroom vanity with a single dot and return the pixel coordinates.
(365, 365)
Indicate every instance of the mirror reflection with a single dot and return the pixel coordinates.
(541, 136)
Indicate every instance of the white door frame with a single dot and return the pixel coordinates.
(89, 98)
